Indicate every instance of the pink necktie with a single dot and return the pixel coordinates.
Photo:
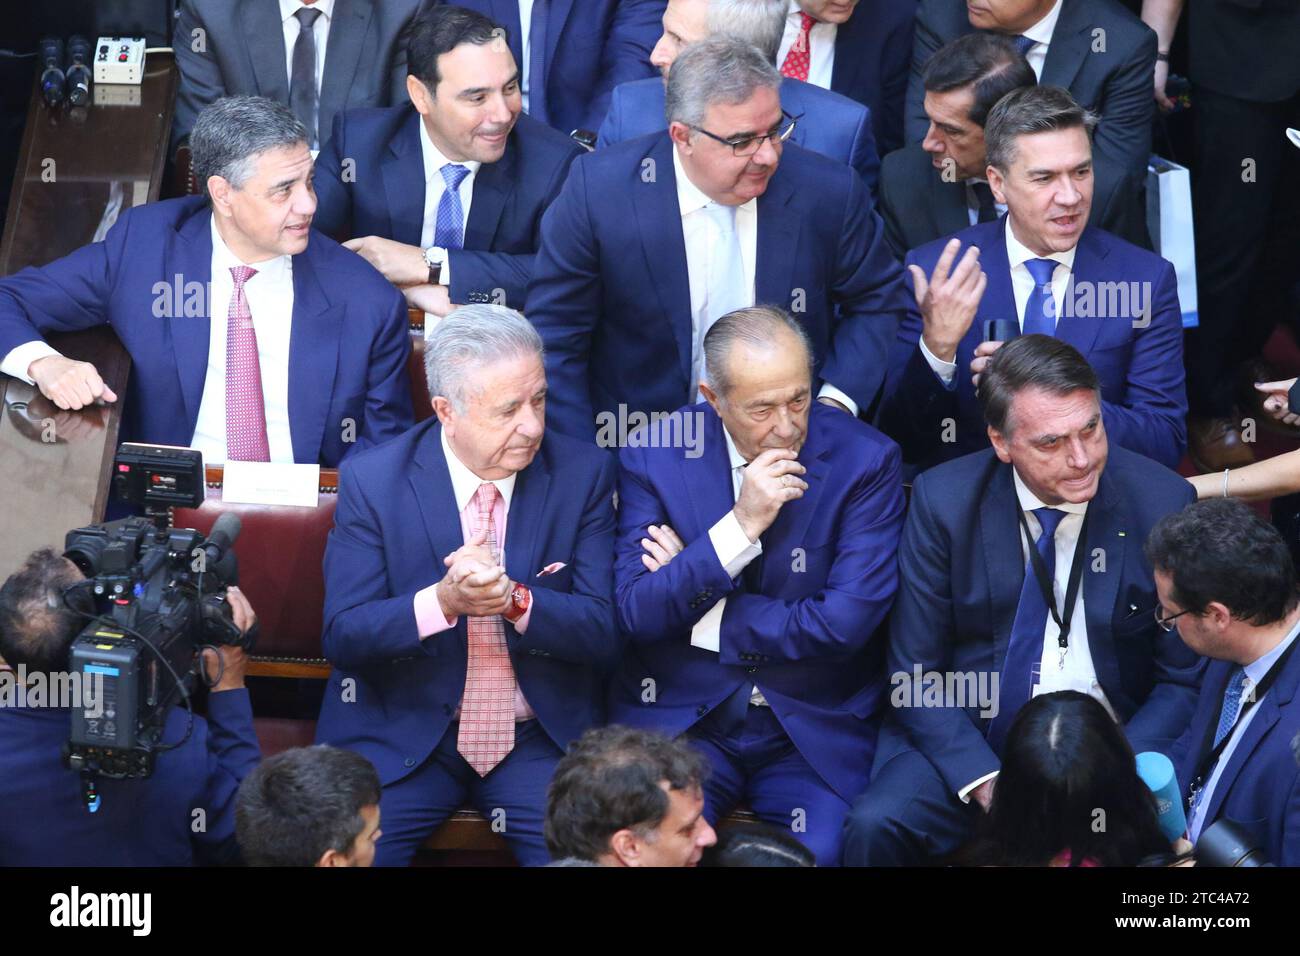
(245, 409)
(487, 711)
(798, 59)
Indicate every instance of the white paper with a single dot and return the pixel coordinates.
(267, 483)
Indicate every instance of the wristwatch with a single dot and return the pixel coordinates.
(520, 599)
(434, 257)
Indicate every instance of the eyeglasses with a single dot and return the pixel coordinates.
(1167, 623)
(750, 145)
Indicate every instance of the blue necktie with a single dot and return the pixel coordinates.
(726, 287)
(1231, 703)
(449, 233)
(537, 62)
(1023, 43)
(1025, 647)
(1040, 308)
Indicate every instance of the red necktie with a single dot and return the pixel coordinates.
(799, 57)
(487, 711)
(245, 407)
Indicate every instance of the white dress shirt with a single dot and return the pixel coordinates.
(320, 32)
(1022, 285)
(1255, 672)
(1041, 33)
(821, 46)
(434, 187)
(525, 47)
(701, 237)
(270, 301)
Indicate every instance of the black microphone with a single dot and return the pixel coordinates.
(224, 532)
(79, 75)
(52, 75)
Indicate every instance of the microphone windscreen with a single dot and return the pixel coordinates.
(1157, 772)
(225, 530)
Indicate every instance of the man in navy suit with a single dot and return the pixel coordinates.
(858, 48)
(1226, 580)
(445, 195)
(1039, 268)
(830, 124)
(654, 239)
(146, 821)
(468, 594)
(753, 572)
(1051, 510)
(250, 337)
(588, 47)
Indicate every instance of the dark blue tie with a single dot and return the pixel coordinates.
(1231, 703)
(537, 62)
(449, 230)
(1025, 648)
(303, 95)
(1040, 308)
(1023, 43)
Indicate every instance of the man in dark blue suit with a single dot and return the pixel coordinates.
(1226, 577)
(468, 594)
(1022, 573)
(251, 338)
(1039, 268)
(654, 239)
(754, 569)
(830, 124)
(590, 46)
(445, 195)
(150, 821)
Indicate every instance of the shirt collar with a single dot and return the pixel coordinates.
(1257, 668)
(223, 259)
(690, 198)
(736, 458)
(434, 160)
(289, 7)
(1029, 501)
(464, 483)
(1041, 32)
(1018, 254)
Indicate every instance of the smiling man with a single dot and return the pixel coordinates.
(1022, 569)
(1039, 268)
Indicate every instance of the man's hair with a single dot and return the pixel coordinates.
(1031, 361)
(756, 326)
(440, 31)
(36, 628)
(986, 62)
(757, 845)
(760, 23)
(468, 338)
(610, 781)
(720, 69)
(298, 804)
(1220, 550)
(230, 133)
(1029, 110)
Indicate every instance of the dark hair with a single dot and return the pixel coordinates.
(1068, 781)
(757, 844)
(1029, 110)
(610, 781)
(1031, 361)
(298, 804)
(990, 64)
(1220, 550)
(440, 31)
(36, 628)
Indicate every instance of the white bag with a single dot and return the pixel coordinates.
(1169, 221)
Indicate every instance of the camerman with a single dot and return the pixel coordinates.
(183, 813)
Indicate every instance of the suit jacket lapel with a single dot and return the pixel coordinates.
(557, 19)
(790, 528)
(1089, 259)
(778, 238)
(848, 61)
(948, 206)
(492, 187)
(191, 335)
(1004, 566)
(706, 480)
(402, 171)
(527, 505)
(1071, 42)
(264, 36)
(431, 482)
(343, 53)
(506, 13)
(313, 358)
(659, 222)
(1107, 520)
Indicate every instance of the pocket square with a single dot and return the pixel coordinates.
(551, 568)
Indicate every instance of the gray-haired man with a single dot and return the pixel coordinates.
(652, 240)
(468, 594)
(251, 338)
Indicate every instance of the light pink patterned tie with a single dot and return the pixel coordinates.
(245, 408)
(799, 60)
(487, 711)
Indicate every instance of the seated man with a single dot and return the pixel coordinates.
(937, 187)
(251, 338)
(623, 797)
(309, 806)
(1226, 580)
(1040, 268)
(652, 240)
(469, 594)
(1022, 573)
(828, 123)
(752, 579)
(144, 821)
(444, 195)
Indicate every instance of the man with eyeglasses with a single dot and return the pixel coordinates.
(652, 240)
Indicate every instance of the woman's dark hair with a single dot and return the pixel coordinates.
(757, 844)
(1068, 782)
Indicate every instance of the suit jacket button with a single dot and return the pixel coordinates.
(409, 762)
(701, 710)
(750, 670)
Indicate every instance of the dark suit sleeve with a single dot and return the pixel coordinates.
(579, 625)
(864, 155)
(1124, 133)
(837, 621)
(388, 390)
(503, 275)
(232, 754)
(610, 131)
(1125, 213)
(922, 630)
(564, 302)
(626, 54)
(890, 213)
(334, 193)
(201, 82)
(895, 78)
(925, 41)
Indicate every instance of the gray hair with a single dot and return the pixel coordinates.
(757, 327)
(468, 338)
(760, 23)
(1028, 110)
(230, 132)
(721, 69)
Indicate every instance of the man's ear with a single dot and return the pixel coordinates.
(997, 183)
(442, 408)
(711, 397)
(219, 190)
(681, 136)
(1000, 445)
(332, 858)
(418, 94)
(1218, 614)
(625, 847)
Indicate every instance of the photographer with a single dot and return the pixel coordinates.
(183, 813)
